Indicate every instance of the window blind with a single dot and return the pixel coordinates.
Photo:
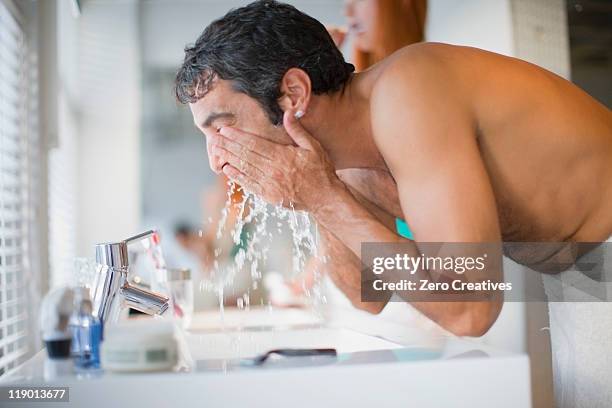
(17, 163)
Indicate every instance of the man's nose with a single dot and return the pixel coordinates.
(213, 160)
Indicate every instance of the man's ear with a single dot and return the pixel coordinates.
(295, 90)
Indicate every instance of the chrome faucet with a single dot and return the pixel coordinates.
(113, 291)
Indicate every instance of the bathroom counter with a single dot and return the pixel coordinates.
(378, 364)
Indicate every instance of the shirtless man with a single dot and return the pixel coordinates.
(467, 145)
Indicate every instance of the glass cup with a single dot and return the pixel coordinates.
(177, 284)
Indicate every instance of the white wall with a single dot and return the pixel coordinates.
(541, 34)
(485, 24)
(109, 108)
(188, 18)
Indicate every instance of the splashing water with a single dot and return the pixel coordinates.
(253, 233)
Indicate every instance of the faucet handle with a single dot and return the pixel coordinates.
(142, 236)
(115, 254)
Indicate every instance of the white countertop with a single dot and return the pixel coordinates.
(378, 363)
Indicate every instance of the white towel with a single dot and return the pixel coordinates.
(581, 341)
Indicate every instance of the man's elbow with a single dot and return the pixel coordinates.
(472, 329)
(370, 307)
(475, 320)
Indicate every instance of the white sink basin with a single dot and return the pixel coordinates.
(368, 370)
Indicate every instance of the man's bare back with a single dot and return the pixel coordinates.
(546, 145)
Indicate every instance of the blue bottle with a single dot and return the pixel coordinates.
(86, 333)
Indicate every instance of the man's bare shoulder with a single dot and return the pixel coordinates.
(452, 67)
(418, 70)
(421, 58)
(410, 59)
(418, 83)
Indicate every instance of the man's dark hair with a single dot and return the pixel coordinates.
(254, 46)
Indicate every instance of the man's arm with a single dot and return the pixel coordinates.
(342, 265)
(344, 269)
(428, 141)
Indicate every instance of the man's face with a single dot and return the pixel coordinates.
(223, 106)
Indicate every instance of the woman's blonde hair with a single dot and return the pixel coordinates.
(400, 23)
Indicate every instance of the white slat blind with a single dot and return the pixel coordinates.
(18, 162)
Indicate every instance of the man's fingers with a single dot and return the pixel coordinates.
(247, 183)
(252, 142)
(221, 145)
(299, 135)
(247, 163)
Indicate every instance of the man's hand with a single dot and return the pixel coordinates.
(295, 176)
